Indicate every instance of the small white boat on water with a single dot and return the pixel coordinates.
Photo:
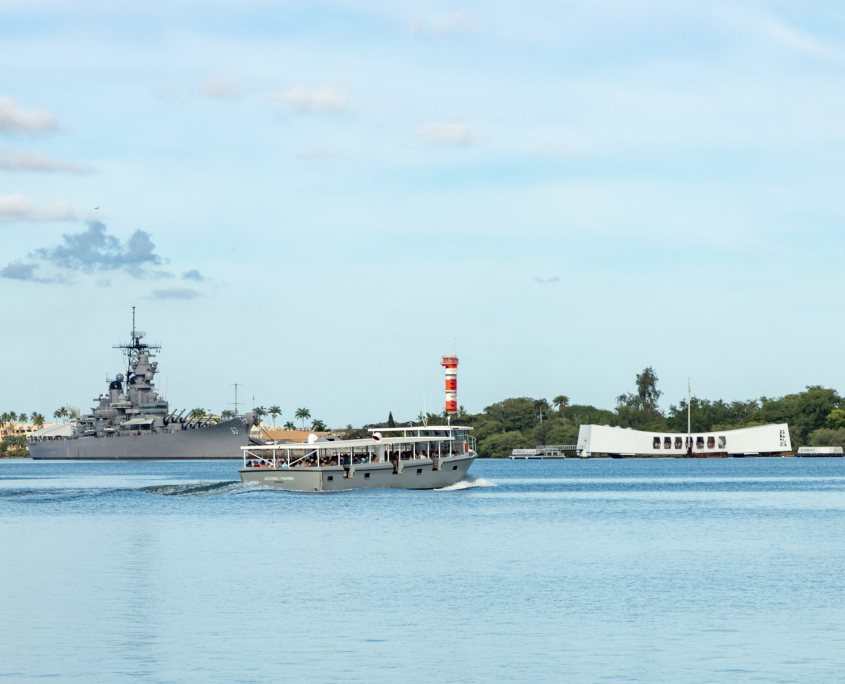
(419, 457)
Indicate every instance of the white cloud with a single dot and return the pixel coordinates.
(222, 88)
(447, 134)
(16, 119)
(783, 35)
(319, 153)
(16, 208)
(11, 160)
(178, 293)
(305, 100)
(444, 25)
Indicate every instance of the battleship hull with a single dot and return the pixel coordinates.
(219, 441)
(416, 474)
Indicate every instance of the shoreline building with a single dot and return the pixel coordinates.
(617, 442)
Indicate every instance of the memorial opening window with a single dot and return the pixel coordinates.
(711, 442)
(667, 442)
(699, 442)
(679, 443)
(723, 443)
(655, 443)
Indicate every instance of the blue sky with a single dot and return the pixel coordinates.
(317, 199)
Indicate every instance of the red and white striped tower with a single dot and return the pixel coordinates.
(450, 363)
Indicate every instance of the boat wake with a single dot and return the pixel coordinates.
(193, 488)
(468, 483)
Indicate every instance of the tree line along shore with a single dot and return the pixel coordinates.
(816, 417)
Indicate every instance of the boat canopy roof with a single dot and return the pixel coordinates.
(334, 444)
(421, 428)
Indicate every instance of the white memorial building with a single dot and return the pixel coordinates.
(762, 440)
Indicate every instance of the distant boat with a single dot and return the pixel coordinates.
(418, 457)
(132, 421)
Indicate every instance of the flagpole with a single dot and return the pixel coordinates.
(689, 415)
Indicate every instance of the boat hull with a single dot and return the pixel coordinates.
(414, 474)
(221, 441)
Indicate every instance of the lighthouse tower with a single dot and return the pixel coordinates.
(450, 363)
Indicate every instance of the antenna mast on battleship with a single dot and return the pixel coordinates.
(236, 399)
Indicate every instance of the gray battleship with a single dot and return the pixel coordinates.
(132, 421)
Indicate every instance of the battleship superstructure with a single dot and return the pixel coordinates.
(133, 421)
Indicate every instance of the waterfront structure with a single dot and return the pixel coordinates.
(543, 451)
(819, 451)
(418, 457)
(23, 429)
(761, 440)
(450, 363)
(133, 421)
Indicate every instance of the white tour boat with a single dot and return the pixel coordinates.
(419, 457)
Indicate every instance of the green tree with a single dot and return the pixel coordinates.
(275, 412)
(503, 444)
(647, 394)
(390, 422)
(561, 401)
(302, 414)
(289, 426)
(836, 418)
(60, 413)
(514, 415)
(23, 418)
(260, 411)
(827, 437)
(197, 413)
(318, 425)
(38, 420)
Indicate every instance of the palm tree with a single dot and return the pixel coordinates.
(13, 417)
(37, 420)
(290, 426)
(197, 413)
(228, 413)
(60, 412)
(73, 413)
(302, 414)
(23, 418)
(275, 412)
(561, 401)
(318, 425)
(260, 411)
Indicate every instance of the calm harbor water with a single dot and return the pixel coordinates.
(540, 571)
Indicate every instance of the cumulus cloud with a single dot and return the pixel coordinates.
(444, 25)
(319, 153)
(546, 281)
(222, 88)
(175, 293)
(95, 250)
(32, 161)
(92, 250)
(18, 208)
(194, 275)
(16, 119)
(302, 100)
(783, 35)
(21, 271)
(215, 88)
(446, 134)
